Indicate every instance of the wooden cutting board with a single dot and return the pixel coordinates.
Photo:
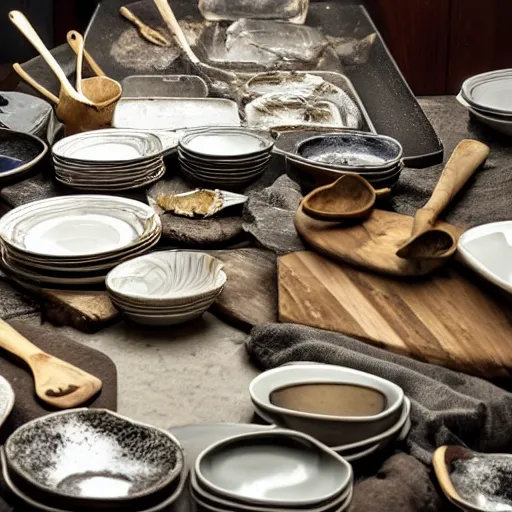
(371, 244)
(444, 319)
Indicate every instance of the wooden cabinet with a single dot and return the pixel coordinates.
(439, 43)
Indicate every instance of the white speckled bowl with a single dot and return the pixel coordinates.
(6, 399)
(166, 288)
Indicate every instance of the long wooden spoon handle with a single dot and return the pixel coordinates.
(168, 16)
(72, 41)
(465, 160)
(38, 87)
(28, 31)
(12, 341)
(441, 471)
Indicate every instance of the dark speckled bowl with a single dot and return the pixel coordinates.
(19, 154)
(85, 459)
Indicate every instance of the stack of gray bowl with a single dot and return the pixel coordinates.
(278, 470)
(322, 159)
(224, 157)
(488, 98)
(93, 459)
(356, 414)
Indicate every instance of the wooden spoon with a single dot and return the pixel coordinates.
(204, 69)
(28, 31)
(72, 38)
(79, 60)
(56, 382)
(349, 197)
(37, 86)
(428, 241)
(487, 477)
(148, 33)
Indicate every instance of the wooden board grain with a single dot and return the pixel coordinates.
(444, 319)
(371, 244)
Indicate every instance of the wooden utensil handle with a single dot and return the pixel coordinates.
(72, 41)
(465, 160)
(12, 341)
(441, 471)
(168, 16)
(28, 31)
(38, 87)
(124, 11)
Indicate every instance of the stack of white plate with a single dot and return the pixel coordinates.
(224, 157)
(75, 240)
(279, 470)
(488, 97)
(166, 288)
(111, 160)
(336, 405)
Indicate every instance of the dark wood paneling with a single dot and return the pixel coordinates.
(480, 40)
(416, 32)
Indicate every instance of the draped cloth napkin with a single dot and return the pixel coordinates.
(447, 407)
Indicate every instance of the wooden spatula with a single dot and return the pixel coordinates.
(56, 382)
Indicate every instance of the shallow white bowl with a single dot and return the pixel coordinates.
(487, 249)
(168, 277)
(331, 430)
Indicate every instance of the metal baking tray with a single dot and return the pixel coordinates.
(390, 103)
(164, 86)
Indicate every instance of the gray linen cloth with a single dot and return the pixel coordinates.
(447, 407)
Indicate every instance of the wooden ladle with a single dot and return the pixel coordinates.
(428, 241)
(57, 383)
(349, 197)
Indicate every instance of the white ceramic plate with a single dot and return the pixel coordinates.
(109, 146)
(487, 249)
(183, 276)
(78, 226)
(228, 143)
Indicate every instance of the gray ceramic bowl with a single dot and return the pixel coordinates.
(351, 151)
(262, 468)
(329, 429)
(85, 459)
(310, 176)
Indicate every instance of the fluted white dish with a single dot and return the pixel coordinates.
(166, 288)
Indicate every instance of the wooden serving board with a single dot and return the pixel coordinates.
(444, 319)
(371, 244)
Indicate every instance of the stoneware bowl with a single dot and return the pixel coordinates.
(6, 400)
(85, 459)
(474, 482)
(20, 153)
(332, 430)
(262, 469)
(351, 151)
(168, 277)
(311, 175)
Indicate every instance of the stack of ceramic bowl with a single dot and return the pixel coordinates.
(355, 413)
(166, 288)
(322, 159)
(111, 160)
(75, 240)
(224, 157)
(269, 472)
(488, 97)
(93, 459)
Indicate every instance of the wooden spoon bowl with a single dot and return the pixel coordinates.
(349, 197)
